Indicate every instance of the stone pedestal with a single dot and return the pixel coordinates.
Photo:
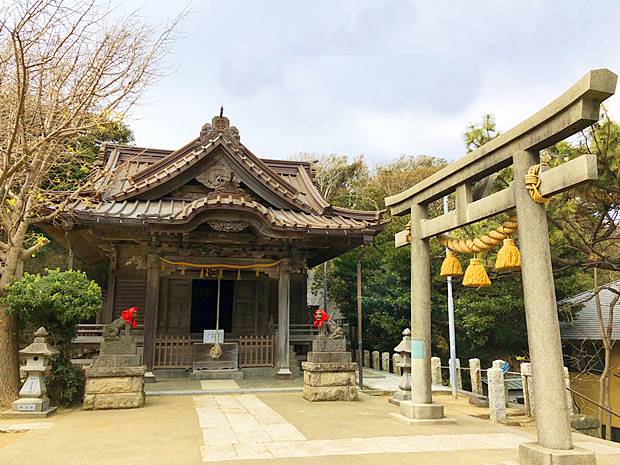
(329, 373)
(116, 379)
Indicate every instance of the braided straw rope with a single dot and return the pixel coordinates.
(532, 183)
(481, 243)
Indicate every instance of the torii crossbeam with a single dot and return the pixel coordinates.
(573, 111)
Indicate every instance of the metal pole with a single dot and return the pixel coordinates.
(360, 355)
(451, 324)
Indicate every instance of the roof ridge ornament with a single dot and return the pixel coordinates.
(219, 126)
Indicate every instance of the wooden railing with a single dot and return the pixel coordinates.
(256, 351)
(174, 351)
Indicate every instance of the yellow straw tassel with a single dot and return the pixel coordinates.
(451, 265)
(475, 274)
(238, 275)
(508, 257)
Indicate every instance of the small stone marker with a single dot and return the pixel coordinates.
(474, 374)
(459, 380)
(376, 359)
(497, 395)
(33, 401)
(436, 371)
(367, 358)
(385, 361)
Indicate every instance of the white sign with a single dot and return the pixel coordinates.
(208, 335)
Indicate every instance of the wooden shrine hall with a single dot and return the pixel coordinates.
(180, 228)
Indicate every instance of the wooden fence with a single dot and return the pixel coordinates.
(174, 351)
(256, 351)
(177, 351)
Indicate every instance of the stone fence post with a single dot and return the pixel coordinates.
(528, 388)
(459, 380)
(497, 395)
(436, 371)
(385, 361)
(376, 360)
(475, 376)
(367, 358)
(569, 395)
(396, 364)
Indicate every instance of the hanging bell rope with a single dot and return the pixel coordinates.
(533, 182)
(216, 350)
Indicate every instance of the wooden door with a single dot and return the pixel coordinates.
(179, 306)
(244, 308)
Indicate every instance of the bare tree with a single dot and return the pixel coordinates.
(66, 67)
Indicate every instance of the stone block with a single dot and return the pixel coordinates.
(322, 357)
(474, 375)
(113, 401)
(124, 345)
(99, 372)
(326, 344)
(329, 366)
(459, 381)
(118, 361)
(531, 453)
(328, 378)
(109, 385)
(329, 393)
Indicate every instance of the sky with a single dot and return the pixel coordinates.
(378, 78)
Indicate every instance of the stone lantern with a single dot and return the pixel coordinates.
(32, 399)
(404, 350)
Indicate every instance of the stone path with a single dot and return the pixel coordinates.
(218, 384)
(242, 427)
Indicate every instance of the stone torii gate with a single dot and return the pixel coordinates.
(573, 111)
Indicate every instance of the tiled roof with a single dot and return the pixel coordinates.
(181, 211)
(585, 325)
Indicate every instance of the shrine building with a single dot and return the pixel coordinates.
(177, 225)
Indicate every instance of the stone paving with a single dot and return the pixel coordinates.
(242, 427)
(268, 429)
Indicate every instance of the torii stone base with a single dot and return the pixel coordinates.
(531, 453)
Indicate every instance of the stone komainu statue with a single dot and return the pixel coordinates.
(113, 330)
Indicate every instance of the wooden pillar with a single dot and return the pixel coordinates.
(543, 331)
(150, 312)
(108, 306)
(284, 304)
(420, 407)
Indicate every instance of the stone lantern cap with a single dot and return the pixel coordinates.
(405, 344)
(40, 345)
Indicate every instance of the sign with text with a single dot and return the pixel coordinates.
(208, 335)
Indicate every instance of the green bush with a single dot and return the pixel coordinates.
(65, 386)
(57, 300)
